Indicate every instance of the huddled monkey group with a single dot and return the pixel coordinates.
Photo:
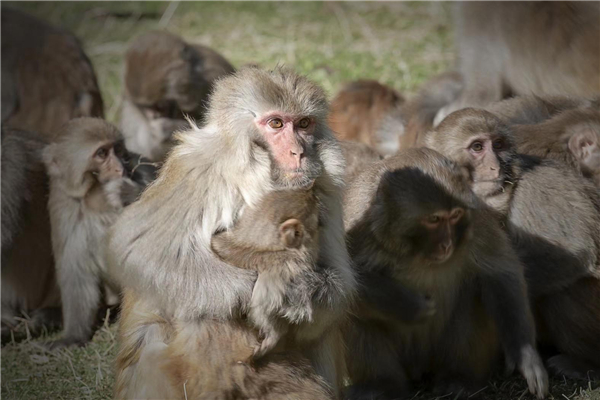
(261, 244)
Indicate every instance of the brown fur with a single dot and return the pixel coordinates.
(165, 79)
(357, 156)
(552, 215)
(28, 279)
(564, 138)
(209, 177)
(46, 77)
(205, 359)
(284, 254)
(368, 112)
(419, 112)
(523, 48)
(479, 291)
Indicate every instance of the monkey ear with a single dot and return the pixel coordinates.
(583, 144)
(292, 233)
(51, 160)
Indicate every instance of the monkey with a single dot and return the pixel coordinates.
(532, 109)
(368, 112)
(205, 359)
(551, 214)
(419, 111)
(283, 254)
(89, 187)
(29, 286)
(357, 156)
(166, 79)
(413, 220)
(522, 48)
(562, 128)
(264, 130)
(47, 79)
(572, 137)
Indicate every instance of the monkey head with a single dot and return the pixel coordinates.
(161, 78)
(584, 144)
(282, 112)
(89, 151)
(479, 141)
(423, 211)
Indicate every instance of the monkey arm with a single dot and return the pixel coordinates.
(385, 298)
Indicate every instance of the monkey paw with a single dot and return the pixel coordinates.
(533, 370)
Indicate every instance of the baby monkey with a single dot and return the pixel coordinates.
(278, 238)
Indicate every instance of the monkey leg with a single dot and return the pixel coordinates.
(572, 323)
(80, 293)
(373, 362)
(469, 352)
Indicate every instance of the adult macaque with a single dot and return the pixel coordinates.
(165, 80)
(522, 48)
(46, 77)
(28, 280)
(265, 130)
(413, 221)
(368, 112)
(357, 156)
(88, 189)
(205, 359)
(284, 254)
(552, 216)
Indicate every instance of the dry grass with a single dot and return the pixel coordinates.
(401, 44)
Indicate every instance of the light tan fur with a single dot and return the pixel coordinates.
(208, 178)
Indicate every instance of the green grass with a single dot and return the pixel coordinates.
(400, 44)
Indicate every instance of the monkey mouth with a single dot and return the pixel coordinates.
(490, 187)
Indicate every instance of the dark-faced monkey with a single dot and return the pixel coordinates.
(265, 130)
(166, 79)
(552, 216)
(413, 222)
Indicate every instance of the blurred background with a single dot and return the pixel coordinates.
(400, 44)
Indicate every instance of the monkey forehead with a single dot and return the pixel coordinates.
(89, 130)
(421, 175)
(261, 91)
(462, 125)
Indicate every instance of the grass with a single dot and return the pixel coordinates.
(400, 44)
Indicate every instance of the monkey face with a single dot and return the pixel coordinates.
(107, 162)
(488, 157)
(442, 231)
(292, 143)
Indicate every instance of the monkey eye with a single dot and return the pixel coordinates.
(476, 146)
(275, 123)
(101, 153)
(304, 123)
(433, 219)
(498, 144)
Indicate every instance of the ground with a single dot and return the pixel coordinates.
(400, 44)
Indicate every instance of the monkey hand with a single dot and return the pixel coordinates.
(532, 368)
